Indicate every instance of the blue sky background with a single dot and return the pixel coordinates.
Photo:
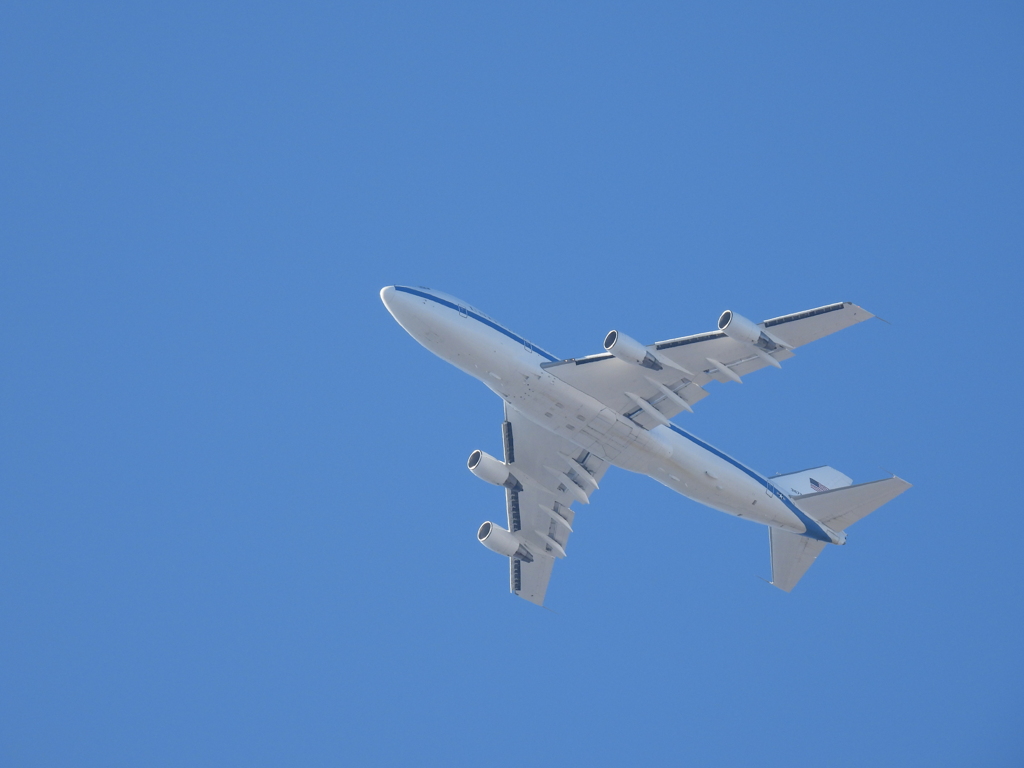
(237, 527)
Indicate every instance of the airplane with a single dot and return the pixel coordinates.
(566, 421)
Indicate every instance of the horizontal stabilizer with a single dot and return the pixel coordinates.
(842, 507)
(792, 555)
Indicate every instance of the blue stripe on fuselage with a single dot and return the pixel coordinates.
(814, 530)
(490, 323)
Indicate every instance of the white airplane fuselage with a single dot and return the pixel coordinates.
(510, 366)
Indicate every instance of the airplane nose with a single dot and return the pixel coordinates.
(407, 310)
(399, 305)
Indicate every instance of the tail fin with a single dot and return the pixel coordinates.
(793, 554)
(812, 480)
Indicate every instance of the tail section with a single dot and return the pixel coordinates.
(842, 507)
(829, 497)
(792, 555)
(813, 480)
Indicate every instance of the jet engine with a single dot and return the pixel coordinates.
(504, 542)
(739, 328)
(489, 469)
(630, 350)
(761, 342)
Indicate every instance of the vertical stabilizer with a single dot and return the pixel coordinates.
(814, 480)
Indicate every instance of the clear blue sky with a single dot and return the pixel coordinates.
(236, 526)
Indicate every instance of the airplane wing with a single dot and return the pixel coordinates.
(673, 376)
(554, 474)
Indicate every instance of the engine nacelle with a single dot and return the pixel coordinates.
(489, 469)
(504, 542)
(630, 350)
(739, 328)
